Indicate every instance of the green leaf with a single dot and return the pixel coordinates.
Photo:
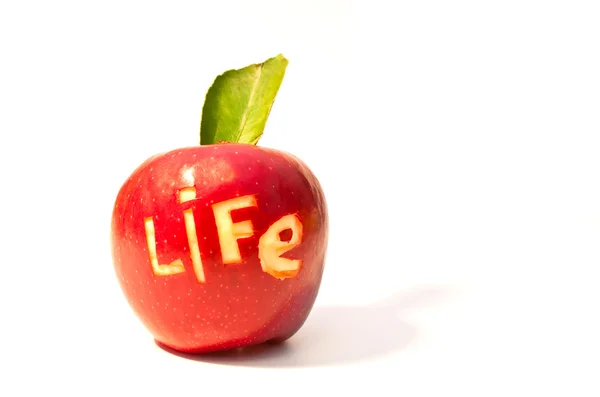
(238, 103)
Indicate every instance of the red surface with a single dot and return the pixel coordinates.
(239, 304)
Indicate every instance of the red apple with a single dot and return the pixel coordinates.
(220, 246)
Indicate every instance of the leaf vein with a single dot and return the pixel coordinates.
(244, 119)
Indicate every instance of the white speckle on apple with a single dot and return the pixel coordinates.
(270, 168)
(257, 183)
(179, 153)
(236, 152)
(249, 168)
(212, 157)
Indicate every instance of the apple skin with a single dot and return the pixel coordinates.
(238, 304)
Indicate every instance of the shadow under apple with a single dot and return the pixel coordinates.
(336, 335)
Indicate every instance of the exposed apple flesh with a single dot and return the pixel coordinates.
(220, 246)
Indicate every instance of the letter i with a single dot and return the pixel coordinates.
(188, 194)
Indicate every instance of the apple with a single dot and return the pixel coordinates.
(221, 245)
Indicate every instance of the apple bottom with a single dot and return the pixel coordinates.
(224, 346)
(281, 327)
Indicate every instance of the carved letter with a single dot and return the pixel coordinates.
(228, 231)
(174, 267)
(187, 194)
(270, 248)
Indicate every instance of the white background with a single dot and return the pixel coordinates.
(457, 143)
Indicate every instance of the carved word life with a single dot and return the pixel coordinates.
(270, 245)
